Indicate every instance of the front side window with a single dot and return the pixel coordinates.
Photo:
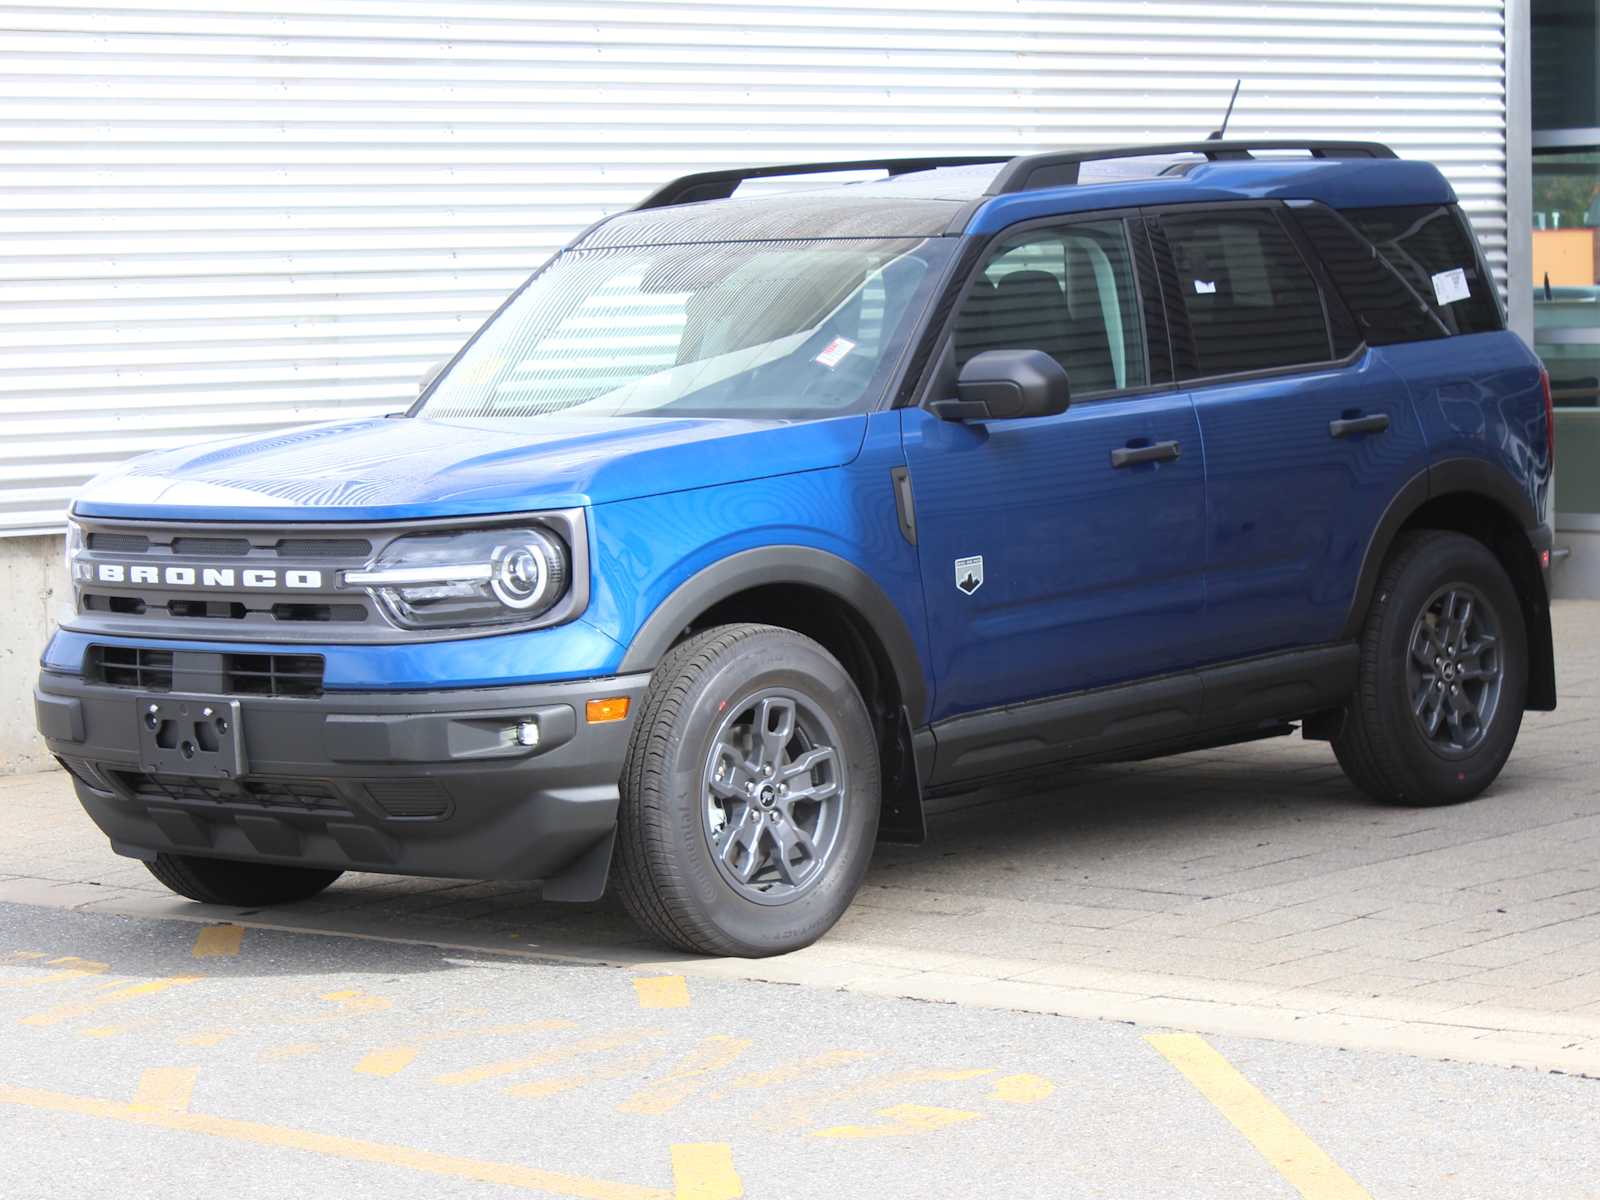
(783, 330)
(1250, 301)
(1068, 292)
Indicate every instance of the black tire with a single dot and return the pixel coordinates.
(1381, 745)
(238, 884)
(667, 874)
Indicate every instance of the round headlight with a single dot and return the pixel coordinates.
(528, 573)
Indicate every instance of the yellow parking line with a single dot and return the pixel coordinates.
(902, 1119)
(704, 1171)
(168, 1088)
(1278, 1139)
(594, 1045)
(66, 1012)
(662, 991)
(285, 1137)
(1022, 1089)
(218, 941)
(66, 970)
(712, 1054)
(388, 1061)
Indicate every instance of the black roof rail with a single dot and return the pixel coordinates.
(1020, 173)
(719, 185)
(1059, 168)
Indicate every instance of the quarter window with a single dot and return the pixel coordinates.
(1431, 246)
(1250, 301)
(1068, 292)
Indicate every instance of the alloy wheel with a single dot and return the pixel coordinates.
(1454, 669)
(775, 791)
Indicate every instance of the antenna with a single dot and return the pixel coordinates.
(1217, 134)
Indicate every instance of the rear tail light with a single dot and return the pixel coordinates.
(1549, 415)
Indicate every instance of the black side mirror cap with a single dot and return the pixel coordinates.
(1007, 385)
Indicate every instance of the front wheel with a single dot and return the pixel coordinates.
(1443, 678)
(750, 794)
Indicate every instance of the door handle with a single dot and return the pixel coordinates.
(1345, 426)
(1132, 456)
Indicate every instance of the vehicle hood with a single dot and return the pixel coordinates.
(394, 469)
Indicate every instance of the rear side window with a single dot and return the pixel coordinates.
(1250, 300)
(1429, 245)
(1385, 307)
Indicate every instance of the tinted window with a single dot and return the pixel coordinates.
(1250, 300)
(1430, 246)
(1068, 292)
(1385, 308)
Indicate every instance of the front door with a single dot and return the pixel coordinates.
(1060, 553)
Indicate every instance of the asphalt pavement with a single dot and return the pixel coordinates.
(290, 1064)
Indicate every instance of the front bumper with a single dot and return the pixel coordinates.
(411, 783)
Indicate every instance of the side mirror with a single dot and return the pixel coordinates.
(433, 373)
(1006, 385)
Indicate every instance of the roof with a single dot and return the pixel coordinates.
(963, 196)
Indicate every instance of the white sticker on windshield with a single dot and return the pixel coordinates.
(1206, 287)
(833, 353)
(1450, 286)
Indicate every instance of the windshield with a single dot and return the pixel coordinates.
(790, 329)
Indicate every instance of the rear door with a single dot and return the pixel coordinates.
(1063, 552)
(1308, 434)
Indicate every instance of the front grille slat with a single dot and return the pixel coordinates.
(211, 547)
(354, 549)
(139, 667)
(292, 795)
(273, 674)
(119, 543)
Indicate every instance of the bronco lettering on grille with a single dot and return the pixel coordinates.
(201, 577)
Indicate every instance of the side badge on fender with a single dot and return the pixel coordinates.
(969, 573)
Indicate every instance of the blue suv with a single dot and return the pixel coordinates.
(750, 522)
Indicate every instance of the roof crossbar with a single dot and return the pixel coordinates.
(1020, 173)
(719, 185)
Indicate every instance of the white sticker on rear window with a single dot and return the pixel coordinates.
(1450, 286)
(1206, 287)
(833, 353)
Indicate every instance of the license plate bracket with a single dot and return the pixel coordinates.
(201, 736)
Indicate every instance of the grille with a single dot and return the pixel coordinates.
(119, 543)
(410, 798)
(131, 666)
(151, 670)
(356, 549)
(273, 674)
(290, 795)
(212, 547)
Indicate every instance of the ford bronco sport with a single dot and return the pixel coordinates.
(750, 522)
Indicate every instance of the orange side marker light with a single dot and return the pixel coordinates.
(614, 708)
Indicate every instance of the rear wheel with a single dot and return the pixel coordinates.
(238, 884)
(750, 795)
(1443, 676)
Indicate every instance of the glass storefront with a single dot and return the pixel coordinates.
(1566, 241)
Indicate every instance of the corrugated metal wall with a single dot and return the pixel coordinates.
(232, 215)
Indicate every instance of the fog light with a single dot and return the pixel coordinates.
(528, 733)
(613, 709)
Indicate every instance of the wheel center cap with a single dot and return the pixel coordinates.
(766, 794)
(1449, 671)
